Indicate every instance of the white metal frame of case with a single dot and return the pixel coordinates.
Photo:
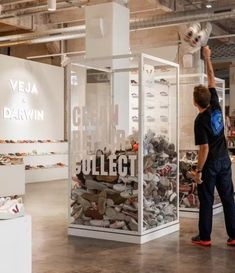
(139, 236)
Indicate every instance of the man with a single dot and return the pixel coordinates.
(214, 165)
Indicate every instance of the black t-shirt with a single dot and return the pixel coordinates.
(209, 129)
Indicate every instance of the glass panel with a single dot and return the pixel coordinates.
(160, 144)
(104, 145)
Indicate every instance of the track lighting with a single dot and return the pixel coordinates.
(51, 5)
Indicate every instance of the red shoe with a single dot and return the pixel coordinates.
(231, 242)
(197, 240)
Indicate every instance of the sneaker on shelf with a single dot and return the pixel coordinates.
(197, 240)
(231, 242)
(12, 208)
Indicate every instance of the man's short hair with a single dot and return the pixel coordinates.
(202, 96)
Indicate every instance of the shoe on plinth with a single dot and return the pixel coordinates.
(231, 242)
(12, 208)
(197, 240)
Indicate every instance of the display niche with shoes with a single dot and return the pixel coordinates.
(188, 195)
(159, 124)
(44, 160)
(123, 165)
(230, 126)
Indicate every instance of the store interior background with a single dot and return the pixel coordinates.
(55, 38)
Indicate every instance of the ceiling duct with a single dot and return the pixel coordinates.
(46, 33)
(223, 53)
(171, 19)
(178, 18)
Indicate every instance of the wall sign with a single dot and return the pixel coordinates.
(24, 90)
(31, 100)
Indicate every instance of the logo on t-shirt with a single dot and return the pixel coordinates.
(217, 123)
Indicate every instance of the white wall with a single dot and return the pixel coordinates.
(32, 95)
(232, 90)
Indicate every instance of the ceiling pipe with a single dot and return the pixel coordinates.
(28, 36)
(11, 2)
(43, 8)
(170, 43)
(57, 55)
(172, 19)
(41, 40)
(34, 10)
(175, 19)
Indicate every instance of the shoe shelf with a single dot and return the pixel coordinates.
(160, 124)
(40, 153)
(10, 160)
(123, 166)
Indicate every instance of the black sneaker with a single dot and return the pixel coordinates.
(197, 240)
(230, 242)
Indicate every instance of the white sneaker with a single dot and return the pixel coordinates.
(12, 209)
(192, 30)
(148, 177)
(100, 223)
(129, 193)
(119, 187)
(118, 224)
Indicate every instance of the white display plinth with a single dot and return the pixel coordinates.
(194, 213)
(16, 245)
(121, 236)
(12, 180)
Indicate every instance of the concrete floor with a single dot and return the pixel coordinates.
(55, 252)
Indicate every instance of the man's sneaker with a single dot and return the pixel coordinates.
(231, 242)
(12, 209)
(197, 240)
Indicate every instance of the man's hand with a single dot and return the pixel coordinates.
(197, 177)
(206, 52)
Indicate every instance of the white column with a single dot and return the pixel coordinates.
(107, 35)
(107, 30)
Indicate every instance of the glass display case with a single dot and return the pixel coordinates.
(188, 196)
(124, 148)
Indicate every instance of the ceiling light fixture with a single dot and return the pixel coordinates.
(51, 5)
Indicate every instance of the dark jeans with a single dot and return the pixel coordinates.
(216, 173)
